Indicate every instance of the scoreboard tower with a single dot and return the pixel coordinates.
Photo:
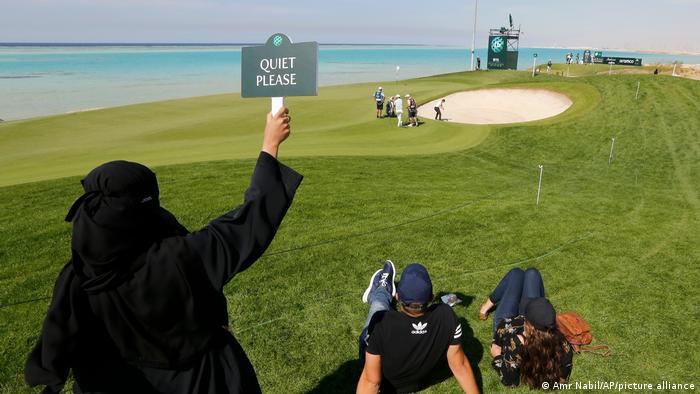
(503, 47)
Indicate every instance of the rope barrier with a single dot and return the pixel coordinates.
(327, 241)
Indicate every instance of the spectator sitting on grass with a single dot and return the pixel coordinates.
(401, 350)
(527, 345)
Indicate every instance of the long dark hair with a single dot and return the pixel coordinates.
(543, 352)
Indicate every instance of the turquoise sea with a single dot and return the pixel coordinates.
(46, 79)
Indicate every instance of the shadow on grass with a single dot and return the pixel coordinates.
(344, 378)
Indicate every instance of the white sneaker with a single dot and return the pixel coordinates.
(365, 295)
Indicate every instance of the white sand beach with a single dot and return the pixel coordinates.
(499, 106)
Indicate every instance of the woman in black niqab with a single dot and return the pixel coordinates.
(140, 305)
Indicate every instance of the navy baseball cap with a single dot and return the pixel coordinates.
(415, 285)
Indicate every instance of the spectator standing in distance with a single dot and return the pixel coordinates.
(549, 66)
(478, 63)
(439, 107)
(379, 101)
(400, 350)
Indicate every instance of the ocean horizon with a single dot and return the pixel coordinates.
(40, 79)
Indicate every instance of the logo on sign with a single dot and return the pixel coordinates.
(277, 41)
(497, 44)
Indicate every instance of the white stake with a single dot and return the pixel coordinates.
(610, 70)
(539, 184)
(673, 74)
(612, 147)
(636, 95)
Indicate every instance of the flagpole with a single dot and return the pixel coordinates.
(476, 5)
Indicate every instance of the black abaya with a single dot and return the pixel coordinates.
(140, 307)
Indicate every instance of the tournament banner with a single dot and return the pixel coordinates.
(497, 53)
(622, 61)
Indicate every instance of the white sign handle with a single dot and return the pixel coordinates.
(277, 103)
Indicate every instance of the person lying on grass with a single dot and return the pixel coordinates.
(527, 345)
(140, 306)
(400, 351)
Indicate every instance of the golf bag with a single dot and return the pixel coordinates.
(390, 109)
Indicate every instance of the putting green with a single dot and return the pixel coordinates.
(340, 121)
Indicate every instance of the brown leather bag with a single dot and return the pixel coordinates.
(578, 333)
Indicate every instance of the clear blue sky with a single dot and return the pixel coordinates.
(645, 24)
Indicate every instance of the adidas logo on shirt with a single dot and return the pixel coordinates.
(419, 329)
(458, 332)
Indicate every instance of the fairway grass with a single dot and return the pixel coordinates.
(617, 243)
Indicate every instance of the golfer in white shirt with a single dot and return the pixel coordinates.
(398, 109)
(439, 108)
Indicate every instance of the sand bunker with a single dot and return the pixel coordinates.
(497, 106)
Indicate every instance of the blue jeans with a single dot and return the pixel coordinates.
(513, 291)
(379, 300)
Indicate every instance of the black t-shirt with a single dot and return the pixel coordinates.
(411, 347)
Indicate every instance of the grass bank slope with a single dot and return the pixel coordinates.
(617, 243)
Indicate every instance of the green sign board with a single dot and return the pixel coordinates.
(497, 52)
(500, 58)
(280, 68)
(597, 54)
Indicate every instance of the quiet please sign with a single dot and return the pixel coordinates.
(279, 68)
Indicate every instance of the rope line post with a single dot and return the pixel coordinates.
(539, 184)
(534, 64)
(636, 95)
(612, 149)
